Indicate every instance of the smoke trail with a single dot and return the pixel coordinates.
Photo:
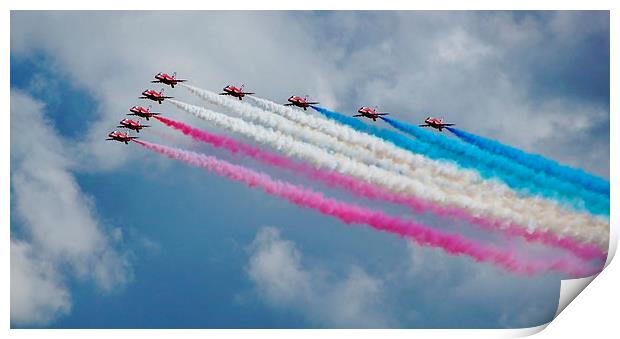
(360, 188)
(427, 171)
(533, 213)
(352, 214)
(487, 169)
(327, 141)
(536, 162)
(379, 148)
(513, 174)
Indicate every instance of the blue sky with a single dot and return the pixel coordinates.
(171, 246)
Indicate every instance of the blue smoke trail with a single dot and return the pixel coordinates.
(488, 165)
(536, 162)
(535, 182)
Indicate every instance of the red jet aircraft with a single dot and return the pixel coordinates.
(370, 113)
(142, 112)
(120, 137)
(155, 96)
(132, 125)
(167, 79)
(435, 123)
(235, 91)
(298, 101)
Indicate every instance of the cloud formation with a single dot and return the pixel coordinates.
(282, 280)
(37, 293)
(457, 292)
(59, 225)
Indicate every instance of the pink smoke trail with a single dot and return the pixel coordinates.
(349, 213)
(361, 188)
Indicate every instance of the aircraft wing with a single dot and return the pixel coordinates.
(156, 81)
(109, 139)
(382, 114)
(180, 80)
(358, 115)
(167, 97)
(313, 103)
(288, 104)
(223, 93)
(424, 125)
(447, 124)
(248, 93)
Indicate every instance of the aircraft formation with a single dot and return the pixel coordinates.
(233, 91)
(355, 153)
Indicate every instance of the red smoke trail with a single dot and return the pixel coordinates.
(361, 188)
(349, 213)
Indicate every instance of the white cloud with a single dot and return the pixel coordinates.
(477, 289)
(275, 266)
(460, 47)
(37, 294)
(355, 300)
(57, 217)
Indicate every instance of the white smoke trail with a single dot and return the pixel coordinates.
(517, 210)
(378, 146)
(327, 141)
(340, 138)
